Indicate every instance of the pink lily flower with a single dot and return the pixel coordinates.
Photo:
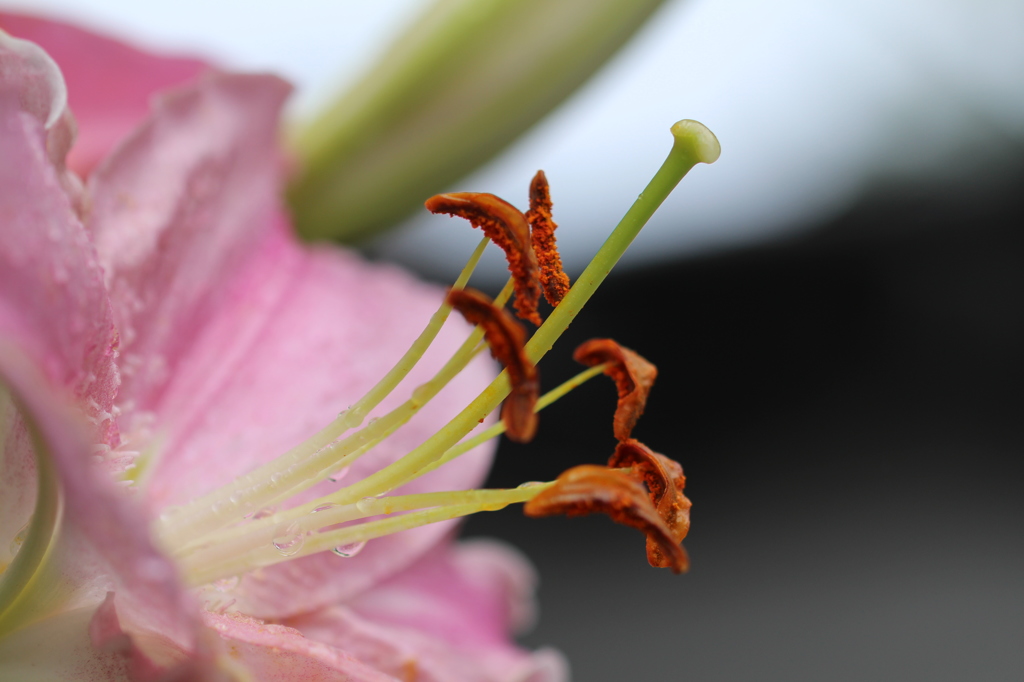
(162, 333)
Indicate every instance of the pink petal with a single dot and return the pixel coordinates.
(103, 542)
(275, 653)
(447, 618)
(175, 213)
(57, 351)
(237, 343)
(109, 636)
(53, 303)
(109, 83)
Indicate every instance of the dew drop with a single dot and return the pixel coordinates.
(242, 504)
(349, 550)
(275, 479)
(350, 418)
(288, 539)
(265, 512)
(323, 507)
(366, 504)
(338, 475)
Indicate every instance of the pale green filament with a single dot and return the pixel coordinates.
(345, 452)
(221, 560)
(238, 540)
(280, 477)
(497, 429)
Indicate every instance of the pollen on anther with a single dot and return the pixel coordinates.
(507, 227)
(589, 489)
(506, 339)
(633, 376)
(665, 483)
(542, 233)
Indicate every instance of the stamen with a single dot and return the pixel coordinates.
(344, 453)
(506, 338)
(552, 277)
(633, 376)
(255, 533)
(665, 482)
(507, 227)
(694, 144)
(303, 464)
(299, 538)
(210, 549)
(588, 488)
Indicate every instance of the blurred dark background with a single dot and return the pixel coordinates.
(847, 408)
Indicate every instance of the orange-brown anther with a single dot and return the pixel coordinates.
(507, 227)
(665, 482)
(588, 488)
(633, 376)
(552, 277)
(506, 338)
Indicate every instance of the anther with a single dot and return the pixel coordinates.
(665, 482)
(633, 376)
(506, 339)
(552, 277)
(588, 489)
(507, 227)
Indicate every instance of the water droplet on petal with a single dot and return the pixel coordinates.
(289, 538)
(338, 475)
(366, 504)
(351, 418)
(323, 507)
(242, 504)
(349, 550)
(265, 512)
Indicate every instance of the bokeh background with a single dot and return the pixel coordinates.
(836, 308)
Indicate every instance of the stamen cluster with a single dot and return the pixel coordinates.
(639, 487)
(241, 527)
